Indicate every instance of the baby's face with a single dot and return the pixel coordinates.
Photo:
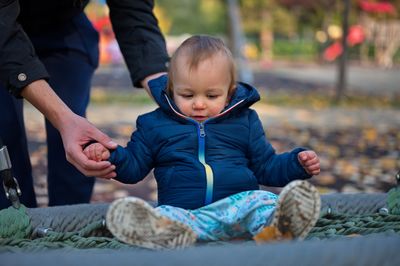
(202, 92)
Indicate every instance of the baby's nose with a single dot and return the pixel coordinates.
(199, 104)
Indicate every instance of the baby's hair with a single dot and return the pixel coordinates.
(198, 48)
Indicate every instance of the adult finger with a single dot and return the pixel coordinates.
(102, 172)
(108, 176)
(105, 172)
(104, 139)
(83, 164)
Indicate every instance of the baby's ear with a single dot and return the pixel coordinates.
(228, 99)
(231, 91)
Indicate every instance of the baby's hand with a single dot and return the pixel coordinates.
(96, 152)
(310, 162)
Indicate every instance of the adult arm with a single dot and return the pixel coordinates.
(75, 130)
(140, 39)
(19, 65)
(270, 168)
(22, 73)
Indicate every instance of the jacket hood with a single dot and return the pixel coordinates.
(245, 95)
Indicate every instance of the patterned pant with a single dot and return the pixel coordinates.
(239, 216)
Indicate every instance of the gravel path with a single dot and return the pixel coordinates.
(359, 148)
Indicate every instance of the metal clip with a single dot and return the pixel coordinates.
(39, 232)
(12, 190)
(383, 211)
(5, 162)
(10, 184)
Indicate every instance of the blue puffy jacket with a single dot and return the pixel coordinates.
(199, 163)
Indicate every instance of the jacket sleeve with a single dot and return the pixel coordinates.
(139, 37)
(19, 65)
(271, 169)
(135, 161)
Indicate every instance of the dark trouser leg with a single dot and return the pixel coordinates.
(71, 76)
(12, 132)
(70, 55)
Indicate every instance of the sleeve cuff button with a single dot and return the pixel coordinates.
(22, 77)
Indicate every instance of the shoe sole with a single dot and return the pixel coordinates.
(134, 221)
(297, 209)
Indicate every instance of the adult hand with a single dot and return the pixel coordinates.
(75, 135)
(75, 131)
(98, 152)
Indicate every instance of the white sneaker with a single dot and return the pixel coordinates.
(297, 209)
(135, 222)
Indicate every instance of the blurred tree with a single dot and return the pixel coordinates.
(258, 22)
(295, 23)
(381, 28)
(164, 21)
(238, 41)
(199, 16)
(284, 18)
(312, 13)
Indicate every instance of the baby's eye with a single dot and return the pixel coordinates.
(187, 96)
(212, 96)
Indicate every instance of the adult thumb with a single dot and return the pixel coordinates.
(105, 140)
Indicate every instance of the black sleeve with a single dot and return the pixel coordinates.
(139, 37)
(19, 65)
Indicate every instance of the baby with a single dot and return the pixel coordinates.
(209, 154)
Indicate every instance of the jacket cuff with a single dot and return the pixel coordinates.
(114, 155)
(25, 75)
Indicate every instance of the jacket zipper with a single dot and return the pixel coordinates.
(202, 131)
(208, 170)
